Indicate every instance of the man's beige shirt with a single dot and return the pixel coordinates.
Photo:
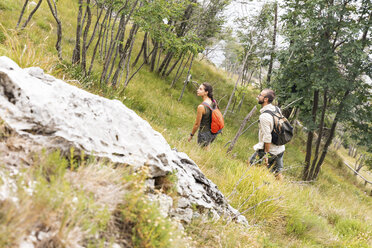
(265, 127)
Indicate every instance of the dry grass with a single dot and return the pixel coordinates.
(18, 47)
(203, 234)
(53, 206)
(103, 182)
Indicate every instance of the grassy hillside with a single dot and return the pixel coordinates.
(331, 212)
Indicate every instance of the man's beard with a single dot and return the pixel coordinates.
(260, 102)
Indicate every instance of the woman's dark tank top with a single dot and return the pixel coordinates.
(205, 123)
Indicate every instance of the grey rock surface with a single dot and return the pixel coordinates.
(42, 111)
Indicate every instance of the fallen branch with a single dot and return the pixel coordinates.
(366, 180)
(246, 119)
(249, 197)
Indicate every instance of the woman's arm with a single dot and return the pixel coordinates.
(199, 114)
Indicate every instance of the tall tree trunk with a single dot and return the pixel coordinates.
(174, 65)
(320, 133)
(274, 44)
(22, 13)
(178, 75)
(116, 45)
(329, 140)
(31, 14)
(105, 25)
(113, 61)
(76, 52)
(85, 36)
(127, 79)
(187, 78)
(53, 9)
(181, 31)
(310, 136)
(134, 73)
(107, 62)
(166, 65)
(159, 55)
(105, 41)
(95, 27)
(143, 46)
(119, 47)
(98, 42)
(124, 54)
(165, 61)
(146, 56)
(153, 57)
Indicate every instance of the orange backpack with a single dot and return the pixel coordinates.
(217, 122)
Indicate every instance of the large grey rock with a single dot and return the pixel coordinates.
(46, 112)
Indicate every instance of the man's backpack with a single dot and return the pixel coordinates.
(283, 131)
(217, 122)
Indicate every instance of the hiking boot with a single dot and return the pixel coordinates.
(279, 177)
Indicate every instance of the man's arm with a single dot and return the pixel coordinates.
(265, 125)
(267, 147)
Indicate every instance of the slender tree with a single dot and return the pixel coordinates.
(53, 8)
(77, 48)
(30, 15)
(22, 13)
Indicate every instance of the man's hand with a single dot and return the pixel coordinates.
(266, 159)
(190, 137)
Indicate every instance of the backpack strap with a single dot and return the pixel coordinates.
(278, 111)
(209, 106)
(274, 115)
(269, 112)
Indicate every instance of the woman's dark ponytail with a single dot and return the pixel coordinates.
(209, 88)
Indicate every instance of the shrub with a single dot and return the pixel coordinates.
(349, 227)
(304, 225)
(148, 227)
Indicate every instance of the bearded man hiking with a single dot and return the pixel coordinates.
(271, 154)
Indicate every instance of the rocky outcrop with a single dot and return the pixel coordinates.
(42, 111)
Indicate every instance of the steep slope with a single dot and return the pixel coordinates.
(331, 212)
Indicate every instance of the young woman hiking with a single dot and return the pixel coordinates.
(203, 116)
